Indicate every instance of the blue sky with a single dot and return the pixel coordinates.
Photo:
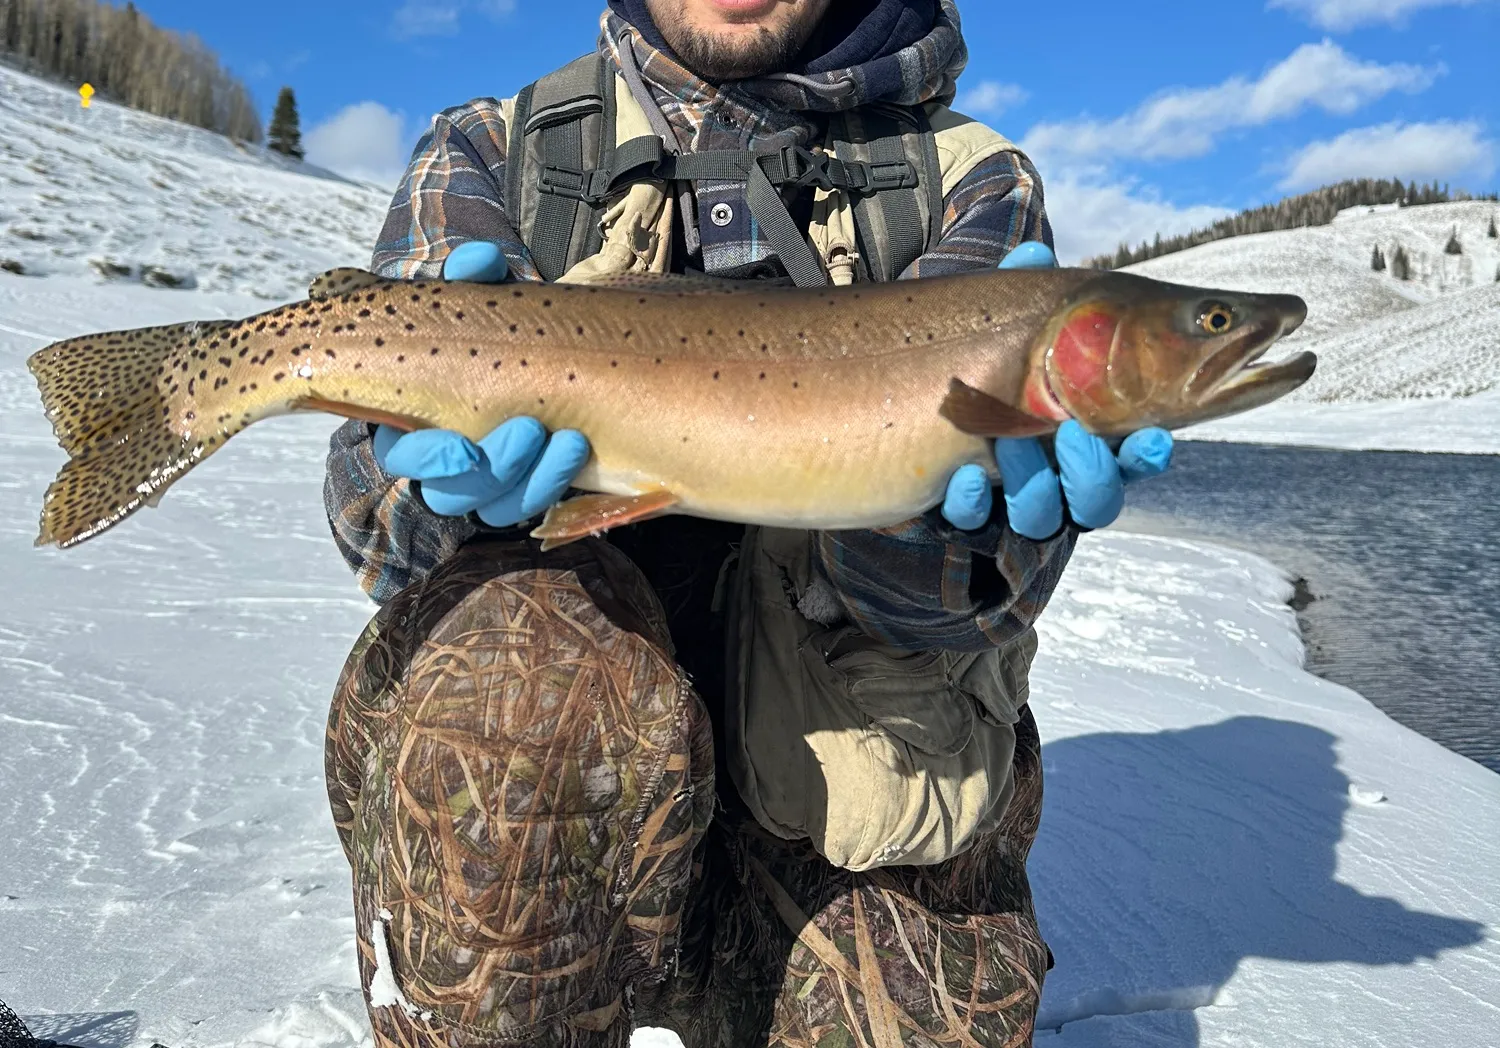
(1142, 117)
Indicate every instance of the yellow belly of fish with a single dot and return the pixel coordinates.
(828, 477)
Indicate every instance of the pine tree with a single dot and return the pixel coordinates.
(1400, 264)
(285, 134)
(1377, 260)
(1494, 233)
(1453, 247)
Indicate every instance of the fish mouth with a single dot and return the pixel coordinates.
(1237, 367)
(1263, 382)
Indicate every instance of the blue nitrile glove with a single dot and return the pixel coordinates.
(511, 475)
(1093, 478)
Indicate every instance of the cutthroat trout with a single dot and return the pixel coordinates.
(821, 409)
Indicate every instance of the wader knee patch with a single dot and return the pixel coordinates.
(533, 780)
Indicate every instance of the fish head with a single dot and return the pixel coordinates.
(1124, 352)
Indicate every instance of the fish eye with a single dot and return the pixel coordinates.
(1216, 318)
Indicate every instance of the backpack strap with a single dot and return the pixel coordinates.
(895, 222)
(563, 126)
(564, 165)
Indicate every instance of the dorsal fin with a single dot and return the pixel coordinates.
(680, 283)
(343, 281)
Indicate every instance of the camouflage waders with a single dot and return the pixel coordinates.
(523, 781)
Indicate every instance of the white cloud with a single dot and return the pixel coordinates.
(1187, 122)
(1341, 15)
(365, 141)
(416, 18)
(1441, 150)
(990, 98)
(1093, 217)
(425, 18)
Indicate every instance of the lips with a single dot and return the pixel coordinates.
(744, 10)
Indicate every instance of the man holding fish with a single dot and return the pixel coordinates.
(546, 860)
(742, 747)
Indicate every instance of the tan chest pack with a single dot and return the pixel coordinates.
(880, 757)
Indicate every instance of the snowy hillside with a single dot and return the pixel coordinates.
(112, 191)
(1378, 339)
(1234, 852)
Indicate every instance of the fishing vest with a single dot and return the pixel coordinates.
(877, 756)
(586, 177)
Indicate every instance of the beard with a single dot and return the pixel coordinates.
(718, 57)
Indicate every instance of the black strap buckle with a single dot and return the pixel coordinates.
(805, 168)
(574, 185)
(896, 174)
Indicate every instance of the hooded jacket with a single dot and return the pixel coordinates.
(919, 585)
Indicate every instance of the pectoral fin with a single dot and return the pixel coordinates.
(976, 412)
(595, 514)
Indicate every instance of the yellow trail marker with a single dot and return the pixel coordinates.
(87, 91)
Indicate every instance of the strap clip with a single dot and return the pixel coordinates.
(804, 168)
(571, 184)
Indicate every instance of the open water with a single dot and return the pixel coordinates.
(1400, 554)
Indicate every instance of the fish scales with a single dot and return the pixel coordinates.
(818, 408)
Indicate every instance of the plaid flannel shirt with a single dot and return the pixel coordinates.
(919, 585)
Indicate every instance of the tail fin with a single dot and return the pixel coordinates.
(105, 396)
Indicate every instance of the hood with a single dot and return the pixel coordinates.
(904, 52)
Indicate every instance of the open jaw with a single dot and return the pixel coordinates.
(1255, 383)
(1237, 366)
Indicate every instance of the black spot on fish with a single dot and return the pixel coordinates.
(716, 376)
(434, 351)
(473, 352)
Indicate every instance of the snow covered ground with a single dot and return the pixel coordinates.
(1234, 852)
(1410, 365)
